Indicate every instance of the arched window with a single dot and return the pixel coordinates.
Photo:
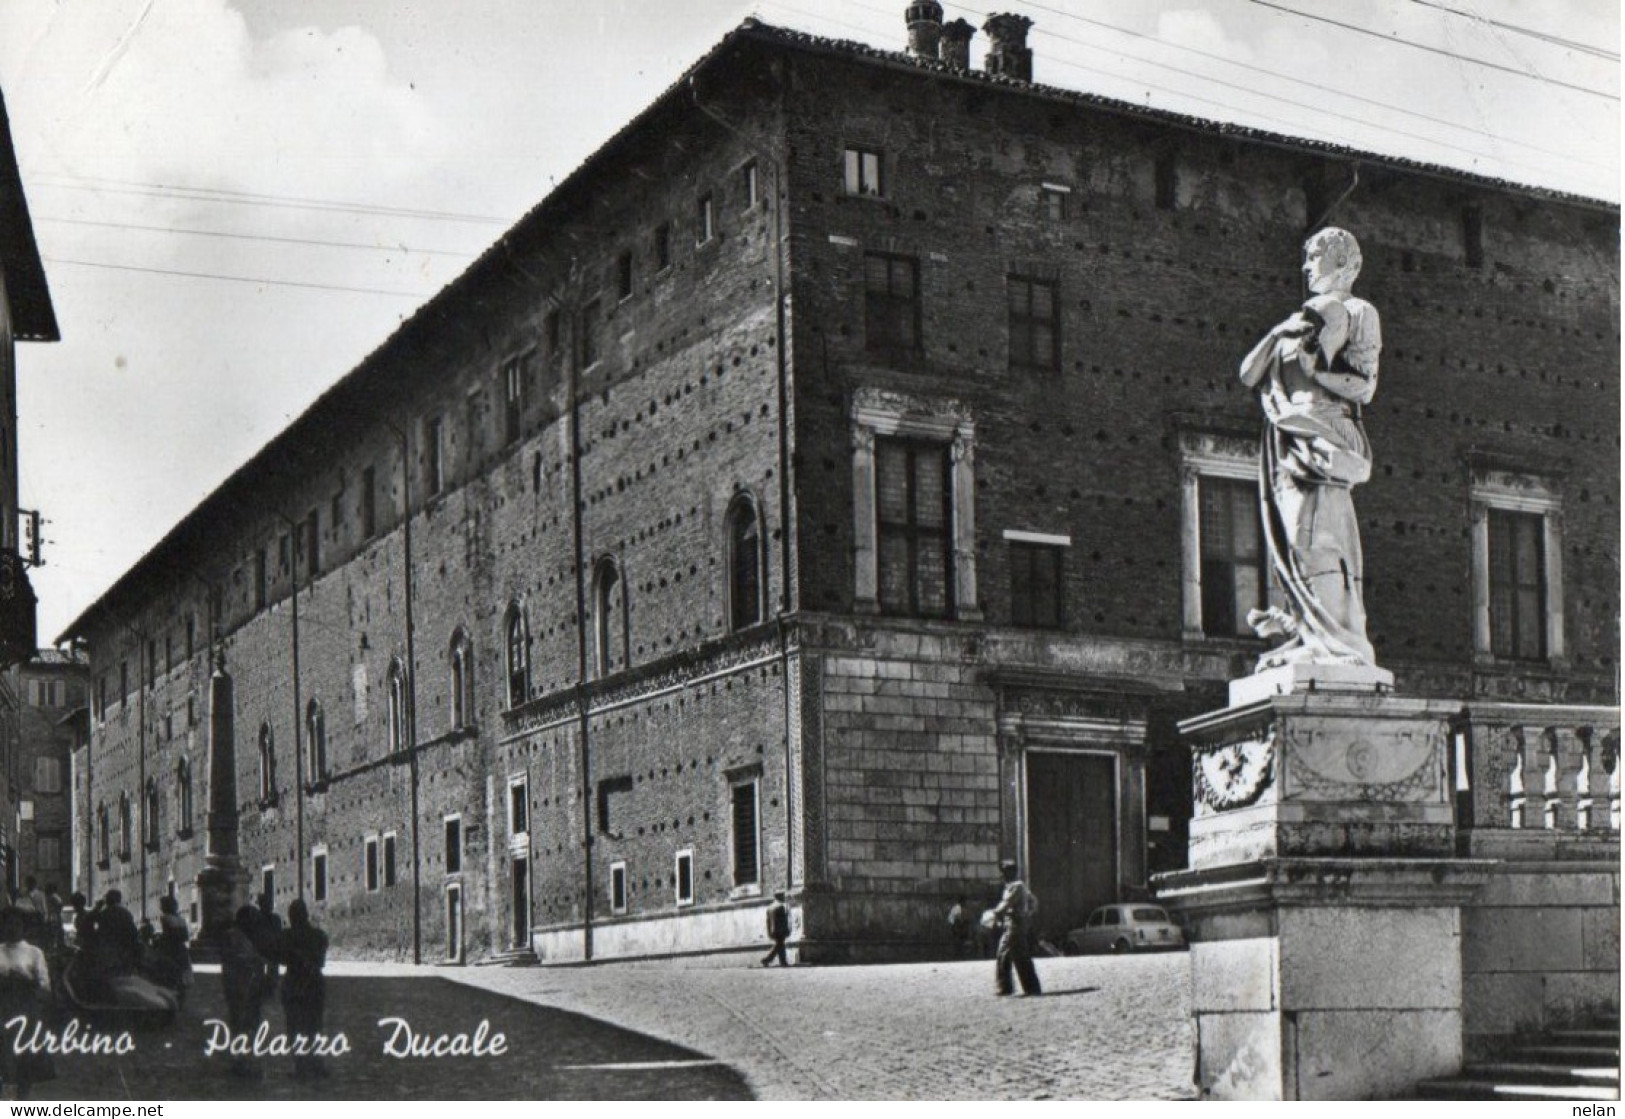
(397, 708)
(267, 765)
(316, 742)
(462, 682)
(608, 616)
(126, 826)
(149, 816)
(744, 565)
(183, 797)
(518, 658)
(104, 836)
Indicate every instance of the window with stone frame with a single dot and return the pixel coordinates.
(104, 837)
(745, 598)
(461, 657)
(47, 775)
(434, 456)
(617, 887)
(1035, 332)
(590, 342)
(608, 590)
(513, 399)
(750, 185)
(891, 303)
(390, 877)
(126, 827)
(1053, 201)
(369, 864)
(267, 765)
(315, 743)
(683, 876)
(183, 798)
(908, 556)
(1223, 555)
(151, 836)
(397, 712)
(518, 806)
(1517, 565)
(746, 830)
(318, 873)
(517, 657)
(1037, 565)
(454, 844)
(48, 852)
(705, 219)
(914, 528)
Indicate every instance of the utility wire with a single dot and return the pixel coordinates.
(1545, 37)
(1319, 88)
(1396, 40)
(235, 279)
(253, 237)
(247, 198)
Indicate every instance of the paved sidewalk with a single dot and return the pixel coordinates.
(1107, 1028)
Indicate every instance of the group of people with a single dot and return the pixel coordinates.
(260, 957)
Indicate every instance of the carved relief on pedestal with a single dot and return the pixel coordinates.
(1360, 763)
(1233, 775)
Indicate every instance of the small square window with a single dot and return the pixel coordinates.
(862, 172)
(1053, 202)
(617, 888)
(1036, 598)
(705, 220)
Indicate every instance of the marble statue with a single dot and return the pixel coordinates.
(1312, 372)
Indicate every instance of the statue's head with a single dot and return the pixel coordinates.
(1331, 260)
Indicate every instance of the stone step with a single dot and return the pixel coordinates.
(1590, 1055)
(1462, 1088)
(1588, 1035)
(1537, 1072)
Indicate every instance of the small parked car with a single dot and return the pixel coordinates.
(1127, 927)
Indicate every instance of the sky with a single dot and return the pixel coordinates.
(237, 200)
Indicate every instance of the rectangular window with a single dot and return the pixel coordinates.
(705, 220)
(1035, 337)
(1517, 570)
(1472, 235)
(749, 186)
(589, 335)
(914, 526)
(612, 792)
(1233, 573)
(47, 775)
(891, 303)
(454, 844)
(746, 833)
(370, 864)
(663, 246)
(369, 503)
(1053, 201)
(623, 275)
(617, 887)
(268, 881)
(683, 875)
(518, 807)
(49, 853)
(1035, 585)
(262, 577)
(1167, 182)
(862, 172)
(318, 874)
(389, 859)
(513, 399)
(434, 460)
(313, 548)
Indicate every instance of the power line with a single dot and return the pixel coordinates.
(234, 279)
(1396, 40)
(1385, 106)
(1542, 36)
(253, 237)
(248, 198)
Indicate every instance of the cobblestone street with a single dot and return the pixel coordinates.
(1107, 1028)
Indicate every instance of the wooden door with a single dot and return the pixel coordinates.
(1071, 837)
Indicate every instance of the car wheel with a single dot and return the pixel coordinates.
(1120, 946)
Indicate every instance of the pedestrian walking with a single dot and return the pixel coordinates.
(1015, 913)
(959, 928)
(171, 951)
(242, 975)
(303, 951)
(778, 929)
(266, 939)
(25, 991)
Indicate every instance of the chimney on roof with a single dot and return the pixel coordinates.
(924, 28)
(954, 47)
(1007, 51)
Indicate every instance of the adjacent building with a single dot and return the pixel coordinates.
(839, 483)
(51, 687)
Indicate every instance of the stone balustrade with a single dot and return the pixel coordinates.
(1521, 767)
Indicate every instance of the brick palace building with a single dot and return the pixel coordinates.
(839, 483)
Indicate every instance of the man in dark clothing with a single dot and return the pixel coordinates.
(304, 990)
(117, 937)
(1015, 912)
(242, 976)
(268, 937)
(778, 928)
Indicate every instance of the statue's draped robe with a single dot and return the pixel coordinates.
(1314, 452)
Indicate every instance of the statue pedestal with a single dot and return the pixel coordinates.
(1324, 899)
